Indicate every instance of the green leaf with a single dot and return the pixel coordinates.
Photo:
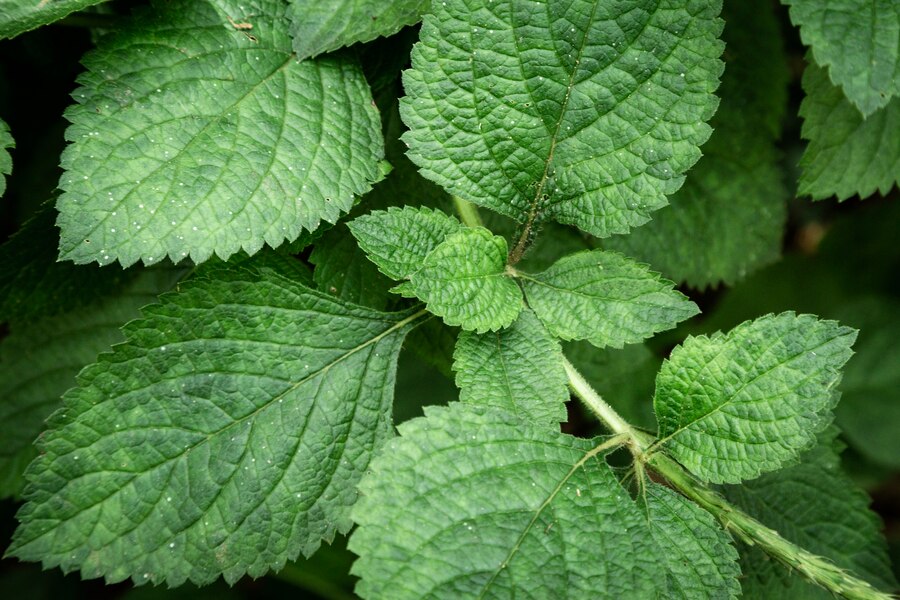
(728, 218)
(857, 41)
(519, 369)
(847, 155)
(193, 137)
(6, 143)
(34, 285)
(605, 298)
(343, 271)
(699, 555)
(584, 112)
(39, 361)
(869, 411)
(19, 16)
(319, 26)
(732, 406)
(225, 437)
(464, 281)
(474, 502)
(815, 505)
(397, 240)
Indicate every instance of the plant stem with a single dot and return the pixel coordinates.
(468, 212)
(607, 414)
(815, 568)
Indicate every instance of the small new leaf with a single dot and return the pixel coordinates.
(605, 298)
(192, 135)
(6, 142)
(847, 155)
(857, 41)
(586, 112)
(319, 26)
(397, 240)
(732, 406)
(519, 369)
(464, 281)
(700, 557)
(472, 502)
(224, 438)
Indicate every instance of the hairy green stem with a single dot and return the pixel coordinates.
(815, 568)
(468, 212)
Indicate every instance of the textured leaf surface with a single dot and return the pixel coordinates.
(19, 16)
(732, 406)
(399, 239)
(847, 155)
(586, 112)
(472, 502)
(225, 437)
(39, 361)
(464, 281)
(519, 369)
(190, 138)
(604, 298)
(817, 506)
(6, 142)
(343, 271)
(858, 41)
(321, 26)
(728, 218)
(699, 555)
(34, 285)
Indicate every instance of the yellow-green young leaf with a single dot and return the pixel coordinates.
(397, 240)
(472, 502)
(817, 506)
(6, 142)
(604, 298)
(192, 135)
(728, 218)
(464, 281)
(39, 361)
(519, 369)
(585, 112)
(732, 406)
(698, 554)
(324, 25)
(224, 438)
(847, 155)
(857, 40)
(19, 16)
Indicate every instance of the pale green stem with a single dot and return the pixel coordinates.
(468, 212)
(815, 568)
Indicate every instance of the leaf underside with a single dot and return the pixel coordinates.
(226, 437)
(191, 136)
(583, 112)
(846, 155)
(732, 406)
(19, 16)
(319, 26)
